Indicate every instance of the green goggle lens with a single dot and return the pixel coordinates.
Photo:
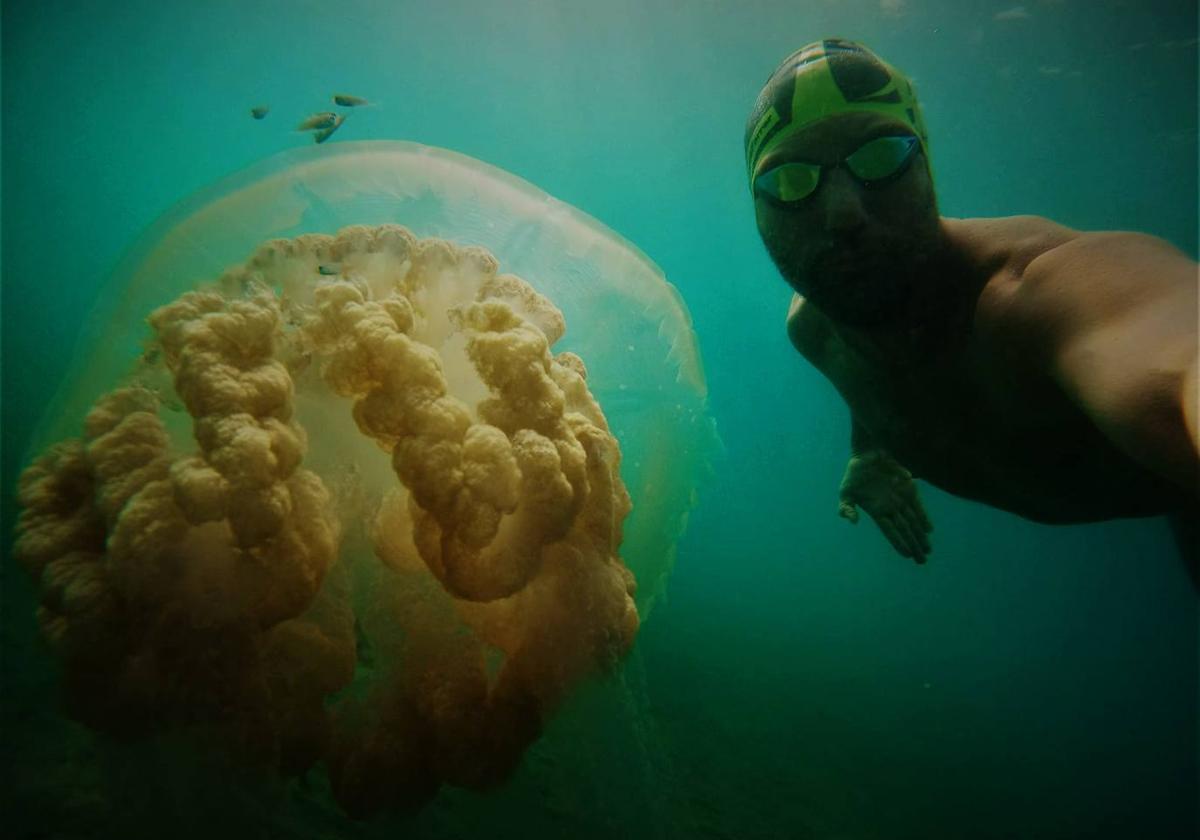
(790, 181)
(874, 161)
(881, 158)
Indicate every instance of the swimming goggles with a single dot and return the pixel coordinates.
(874, 163)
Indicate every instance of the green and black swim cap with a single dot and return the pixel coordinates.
(825, 78)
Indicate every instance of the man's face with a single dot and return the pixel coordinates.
(854, 250)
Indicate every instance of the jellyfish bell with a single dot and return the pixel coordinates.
(378, 389)
(628, 324)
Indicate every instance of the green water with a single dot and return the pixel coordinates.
(800, 680)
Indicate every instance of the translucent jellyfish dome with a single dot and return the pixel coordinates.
(373, 452)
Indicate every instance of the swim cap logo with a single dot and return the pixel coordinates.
(825, 78)
(859, 75)
(765, 125)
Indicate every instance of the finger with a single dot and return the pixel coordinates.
(913, 499)
(917, 547)
(887, 524)
(848, 511)
(921, 552)
(904, 527)
(923, 548)
(908, 502)
(916, 526)
(926, 522)
(925, 544)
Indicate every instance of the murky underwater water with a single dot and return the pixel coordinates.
(798, 679)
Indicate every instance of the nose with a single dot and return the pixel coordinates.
(842, 206)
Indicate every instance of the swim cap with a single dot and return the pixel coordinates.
(825, 78)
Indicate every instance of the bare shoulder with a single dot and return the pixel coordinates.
(1046, 281)
(1109, 316)
(1108, 259)
(1100, 277)
(1010, 243)
(807, 328)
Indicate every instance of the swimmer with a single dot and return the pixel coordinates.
(1041, 370)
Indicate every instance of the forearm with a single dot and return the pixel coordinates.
(1148, 411)
(861, 441)
(864, 443)
(1113, 316)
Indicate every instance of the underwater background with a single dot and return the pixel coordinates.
(799, 679)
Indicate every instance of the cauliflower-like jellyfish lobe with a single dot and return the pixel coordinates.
(372, 453)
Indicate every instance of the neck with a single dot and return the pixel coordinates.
(936, 317)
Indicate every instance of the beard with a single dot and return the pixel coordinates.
(861, 295)
(861, 285)
(868, 282)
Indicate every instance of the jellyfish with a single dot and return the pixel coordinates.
(373, 455)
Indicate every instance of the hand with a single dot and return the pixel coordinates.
(875, 482)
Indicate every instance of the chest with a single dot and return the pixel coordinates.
(982, 424)
(957, 419)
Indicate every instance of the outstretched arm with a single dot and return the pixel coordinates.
(1113, 318)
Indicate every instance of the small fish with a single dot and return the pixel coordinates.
(259, 111)
(348, 101)
(322, 120)
(329, 269)
(323, 135)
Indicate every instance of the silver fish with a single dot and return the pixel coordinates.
(348, 101)
(259, 111)
(323, 135)
(322, 120)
